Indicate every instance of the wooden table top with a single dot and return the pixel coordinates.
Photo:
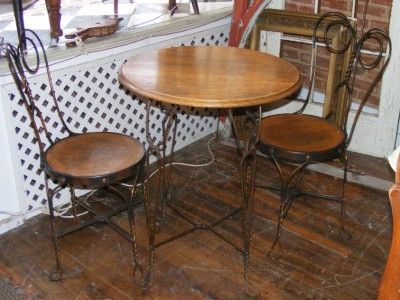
(214, 77)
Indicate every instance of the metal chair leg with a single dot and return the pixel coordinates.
(343, 204)
(131, 222)
(73, 202)
(346, 234)
(248, 170)
(151, 217)
(286, 198)
(281, 216)
(57, 274)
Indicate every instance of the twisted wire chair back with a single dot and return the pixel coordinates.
(328, 23)
(382, 57)
(23, 63)
(380, 63)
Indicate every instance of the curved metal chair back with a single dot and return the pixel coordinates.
(357, 61)
(327, 22)
(23, 63)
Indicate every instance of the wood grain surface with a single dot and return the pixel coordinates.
(301, 133)
(94, 154)
(214, 77)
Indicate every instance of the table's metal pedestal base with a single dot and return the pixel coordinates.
(155, 207)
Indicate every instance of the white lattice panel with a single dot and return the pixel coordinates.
(93, 100)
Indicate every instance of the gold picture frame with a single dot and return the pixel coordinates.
(303, 24)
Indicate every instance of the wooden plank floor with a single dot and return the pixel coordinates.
(317, 262)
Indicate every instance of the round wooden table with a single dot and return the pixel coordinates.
(207, 77)
(212, 77)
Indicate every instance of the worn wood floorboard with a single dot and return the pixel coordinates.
(317, 261)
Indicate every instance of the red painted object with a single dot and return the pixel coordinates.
(243, 17)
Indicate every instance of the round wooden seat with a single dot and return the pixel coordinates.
(93, 158)
(296, 137)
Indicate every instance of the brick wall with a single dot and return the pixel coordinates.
(378, 15)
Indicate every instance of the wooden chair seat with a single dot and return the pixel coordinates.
(93, 159)
(295, 137)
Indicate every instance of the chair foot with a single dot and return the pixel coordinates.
(145, 280)
(251, 291)
(275, 253)
(158, 227)
(138, 268)
(145, 284)
(345, 234)
(56, 276)
(248, 289)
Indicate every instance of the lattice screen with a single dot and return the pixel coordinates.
(93, 100)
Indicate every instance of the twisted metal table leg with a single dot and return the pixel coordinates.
(169, 123)
(248, 169)
(239, 148)
(248, 172)
(164, 156)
